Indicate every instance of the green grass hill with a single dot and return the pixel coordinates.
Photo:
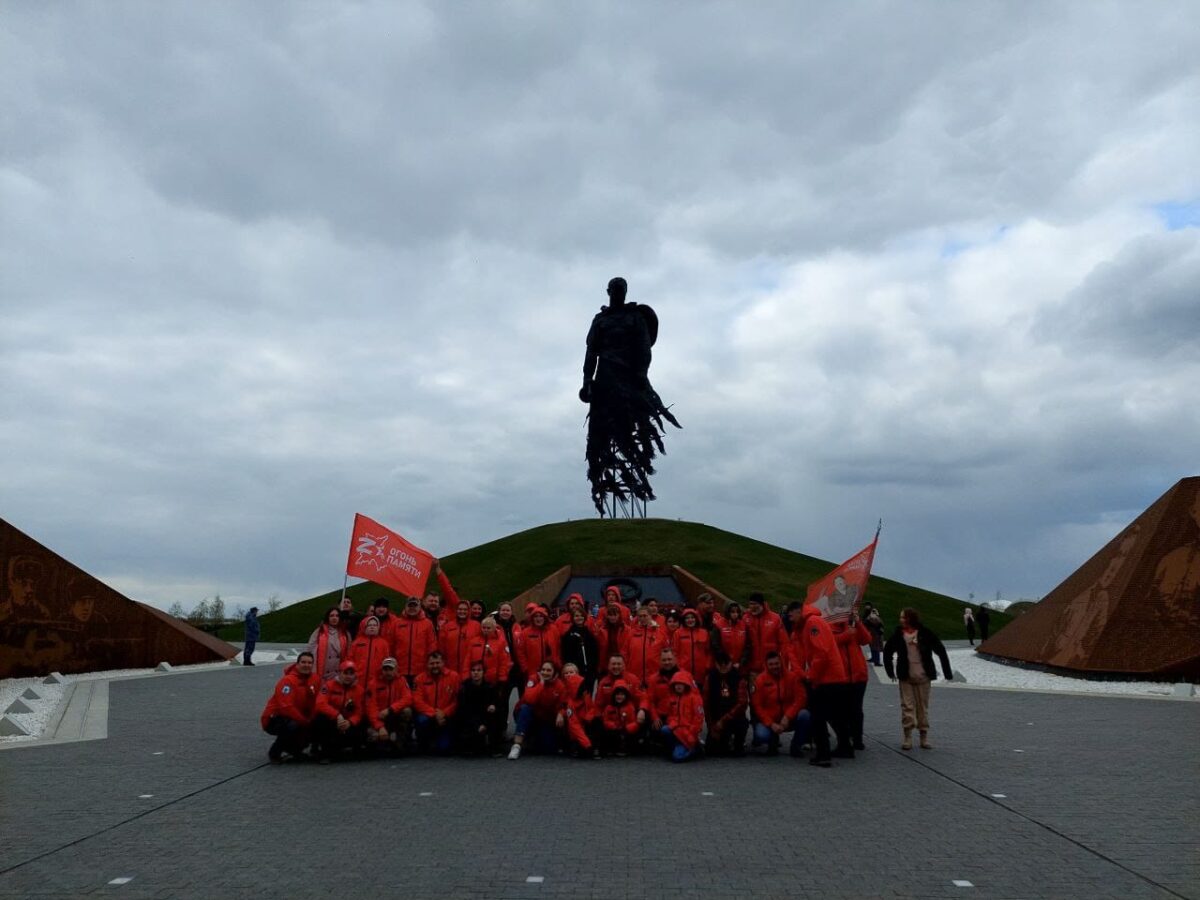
(733, 564)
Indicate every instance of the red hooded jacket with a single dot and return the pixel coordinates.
(454, 640)
(547, 698)
(294, 697)
(848, 641)
(536, 645)
(765, 634)
(430, 694)
(733, 640)
(606, 685)
(368, 654)
(685, 712)
(658, 692)
(642, 649)
(497, 661)
(623, 716)
(825, 664)
(692, 652)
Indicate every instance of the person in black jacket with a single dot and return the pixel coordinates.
(480, 730)
(348, 618)
(579, 646)
(913, 645)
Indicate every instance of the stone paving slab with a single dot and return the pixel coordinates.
(1101, 803)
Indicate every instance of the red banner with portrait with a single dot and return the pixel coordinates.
(840, 592)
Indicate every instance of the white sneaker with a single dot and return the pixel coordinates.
(515, 752)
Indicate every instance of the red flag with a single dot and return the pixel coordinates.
(382, 556)
(840, 592)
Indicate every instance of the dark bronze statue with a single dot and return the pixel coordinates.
(625, 423)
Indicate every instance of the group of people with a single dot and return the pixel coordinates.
(439, 677)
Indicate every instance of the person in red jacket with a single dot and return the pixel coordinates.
(340, 715)
(413, 639)
(660, 621)
(289, 712)
(764, 631)
(389, 709)
(382, 610)
(684, 719)
(435, 698)
(643, 645)
(827, 679)
(540, 712)
(619, 721)
(368, 651)
(431, 606)
(795, 656)
(575, 603)
(455, 636)
(618, 671)
(612, 634)
(852, 635)
(779, 702)
(537, 643)
(691, 646)
(578, 712)
(730, 634)
(490, 647)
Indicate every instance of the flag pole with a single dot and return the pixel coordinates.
(345, 581)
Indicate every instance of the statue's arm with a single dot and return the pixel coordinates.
(589, 366)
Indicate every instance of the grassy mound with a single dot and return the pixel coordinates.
(733, 564)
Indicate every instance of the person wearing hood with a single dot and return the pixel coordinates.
(389, 709)
(826, 675)
(577, 645)
(413, 639)
(479, 730)
(643, 645)
(851, 636)
(726, 699)
(691, 645)
(540, 712)
(578, 712)
(684, 720)
(368, 651)
(764, 631)
(575, 602)
(619, 721)
(913, 645)
(289, 712)
(435, 700)
(612, 634)
(339, 723)
(730, 636)
(328, 645)
(537, 643)
(658, 689)
(779, 703)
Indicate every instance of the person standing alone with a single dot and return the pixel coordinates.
(969, 623)
(251, 636)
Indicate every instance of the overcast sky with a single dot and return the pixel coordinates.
(266, 265)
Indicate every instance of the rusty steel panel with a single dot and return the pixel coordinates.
(56, 617)
(1132, 609)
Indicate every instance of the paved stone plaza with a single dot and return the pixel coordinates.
(1103, 800)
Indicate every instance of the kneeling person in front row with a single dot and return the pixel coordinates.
(480, 730)
(435, 700)
(289, 713)
(389, 710)
(341, 715)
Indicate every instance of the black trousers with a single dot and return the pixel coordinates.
(732, 739)
(329, 741)
(858, 690)
(828, 704)
(290, 736)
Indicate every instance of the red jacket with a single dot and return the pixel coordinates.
(606, 685)
(733, 640)
(335, 699)
(454, 640)
(387, 626)
(848, 641)
(294, 697)
(825, 665)
(692, 651)
(774, 698)
(430, 694)
(386, 697)
(621, 717)
(610, 641)
(535, 646)
(368, 655)
(685, 712)
(497, 661)
(642, 649)
(658, 692)
(576, 699)
(412, 642)
(765, 633)
(546, 697)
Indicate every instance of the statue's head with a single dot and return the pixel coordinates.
(616, 291)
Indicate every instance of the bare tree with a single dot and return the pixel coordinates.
(274, 603)
(216, 615)
(176, 610)
(200, 613)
